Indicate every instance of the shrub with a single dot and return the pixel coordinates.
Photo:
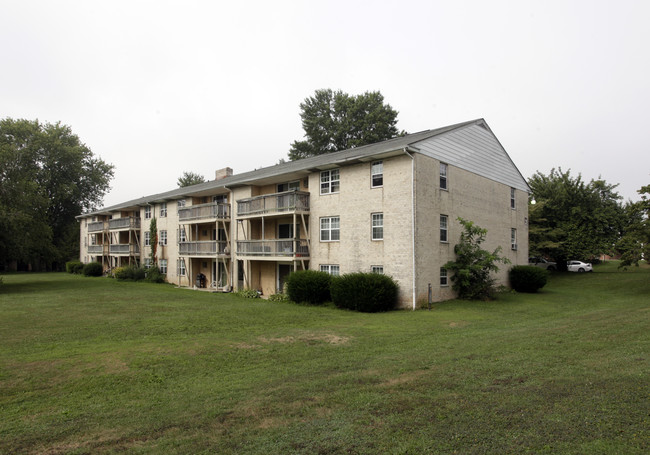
(117, 271)
(248, 293)
(129, 273)
(309, 286)
(279, 298)
(366, 292)
(72, 266)
(153, 275)
(527, 278)
(93, 269)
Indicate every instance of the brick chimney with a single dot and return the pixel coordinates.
(222, 173)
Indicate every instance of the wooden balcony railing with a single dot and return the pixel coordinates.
(96, 226)
(291, 201)
(275, 247)
(204, 211)
(203, 248)
(128, 222)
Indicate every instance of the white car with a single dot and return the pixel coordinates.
(577, 266)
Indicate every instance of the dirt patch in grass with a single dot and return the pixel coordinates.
(306, 338)
(405, 378)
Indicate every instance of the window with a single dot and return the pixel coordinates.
(330, 229)
(330, 181)
(443, 277)
(220, 198)
(147, 212)
(378, 226)
(443, 228)
(512, 198)
(182, 237)
(162, 265)
(163, 237)
(181, 267)
(332, 269)
(147, 238)
(180, 204)
(377, 174)
(513, 238)
(291, 186)
(379, 269)
(147, 263)
(443, 176)
(163, 210)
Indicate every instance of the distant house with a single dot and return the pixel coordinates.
(389, 207)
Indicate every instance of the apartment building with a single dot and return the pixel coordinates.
(389, 207)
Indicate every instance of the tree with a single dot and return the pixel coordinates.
(572, 219)
(333, 121)
(47, 177)
(153, 239)
(473, 265)
(190, 178)
(634, 243)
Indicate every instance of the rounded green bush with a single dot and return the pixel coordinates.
(366, 292)
(93, 269)
(527, 278)
(73, 266)
(153, 275)
(309, 286)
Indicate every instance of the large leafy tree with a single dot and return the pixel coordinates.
(47, 177)
(333, 120)
(634, 244)
(572, 219)
(472, 270)
(189, 179)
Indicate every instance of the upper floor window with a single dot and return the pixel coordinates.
(513, 238)
(512, 199)
(290, 186)
(332, 269)
(330, 181)
(163, 210)
(220, 198)
(180, 204)
(182, 237)
(147, 238)
(443, 277)
(163, 237)
(147, 212)
(330, 229)
(443, 228)
(377, 174)
(377, 226)
(443, 176)
(377, 269)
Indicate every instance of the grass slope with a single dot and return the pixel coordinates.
(92, 365)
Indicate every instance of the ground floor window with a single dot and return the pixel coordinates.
(377, 269)
(443, 277)
(332, 269)
(162, 265)
(181, 267)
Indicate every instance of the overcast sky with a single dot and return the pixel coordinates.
(161, 87)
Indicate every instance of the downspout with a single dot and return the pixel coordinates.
(413, 219)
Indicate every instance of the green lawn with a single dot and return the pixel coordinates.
(92, 365)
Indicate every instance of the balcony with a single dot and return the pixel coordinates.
(129, 222)
(203, 248)
(96, 249)
(124, 249)
(273, 248)
(96, 226)
(273, 204)
(202, 212)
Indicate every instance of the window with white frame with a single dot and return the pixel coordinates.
(377, 226)
(163, 237)
(162, 265)
(147, 212)
(181, 267)
(330, 181)
(332, 269)
(147, 263)
(330, 229)
(444, 228)
(180, 204)
(377, 174)
(379, 269)
(182, 237)
(443, 176)
(147, 238)
(513, 238)
(163, 210)
(513, 203)
(443, 277)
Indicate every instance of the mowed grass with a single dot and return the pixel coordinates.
(92, 365)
